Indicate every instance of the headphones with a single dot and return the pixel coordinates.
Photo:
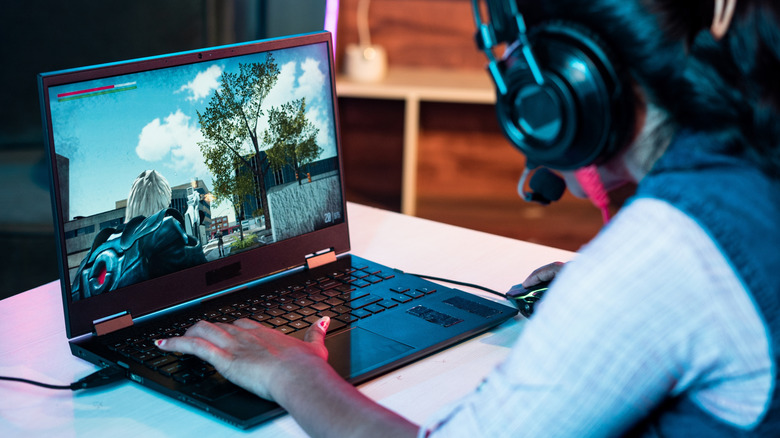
(561, 100)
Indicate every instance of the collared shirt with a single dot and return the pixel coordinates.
(649, 309)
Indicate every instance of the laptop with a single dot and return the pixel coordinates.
(208, 185)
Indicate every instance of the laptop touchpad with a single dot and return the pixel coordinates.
(356, 351)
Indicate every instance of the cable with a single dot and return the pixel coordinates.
(99, 378)
(459, 283)
(32, 382)
(523, 299)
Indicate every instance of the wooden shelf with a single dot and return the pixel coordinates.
(413, 86)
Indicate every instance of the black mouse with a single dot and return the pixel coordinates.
(525, 298)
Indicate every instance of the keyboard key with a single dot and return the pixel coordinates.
(386, 275)
(260, 317)
(143, 356)
(360, 283)
(345, 288)
(355, 294)
(320, 306)
(292, 316)
(312, 319)
(223, 318)
(374, 308)
(373, 279)
(341, 309)
(387, 304)
(144, 346)
(306, 311)
(361, 313)
(285, 329)
(415, 294)
(275, 312)
(365, 301)
(283, 300)
(276, 321)
(311, 290)
(347, 318)
(299, 325)
(329, 284)
(171, 368)
(399, 289)
(334, 301)
(161, 361)
(303, 302)
(289, 307)
(187, 376)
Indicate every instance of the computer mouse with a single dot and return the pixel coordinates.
(525, 298)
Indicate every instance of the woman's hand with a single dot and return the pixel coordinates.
(545, 273)
(250, 355)
(294, 373)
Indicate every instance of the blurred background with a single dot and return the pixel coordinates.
(466, 172)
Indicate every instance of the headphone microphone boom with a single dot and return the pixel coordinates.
(546, 187)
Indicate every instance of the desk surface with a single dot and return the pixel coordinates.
(34, 345)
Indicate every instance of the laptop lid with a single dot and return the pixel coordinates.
(243, 142)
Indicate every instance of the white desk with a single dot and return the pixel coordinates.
(414, 85)
(33, 343)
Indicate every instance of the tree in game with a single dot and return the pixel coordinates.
(291, 137)
(229, 126)
(231, 181)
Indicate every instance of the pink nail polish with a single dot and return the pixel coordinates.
(159, 342)
(324, 322)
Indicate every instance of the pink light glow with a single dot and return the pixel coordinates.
(332, 19)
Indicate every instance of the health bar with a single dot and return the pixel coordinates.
(72, 95)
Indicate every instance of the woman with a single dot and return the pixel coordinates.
(667, 323)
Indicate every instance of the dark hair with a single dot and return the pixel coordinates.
(730, 88)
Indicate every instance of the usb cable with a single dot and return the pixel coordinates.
(99, 378)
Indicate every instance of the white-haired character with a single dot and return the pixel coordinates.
(149, 194)
(152, 242)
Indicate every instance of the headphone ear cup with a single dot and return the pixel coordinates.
(580, 114)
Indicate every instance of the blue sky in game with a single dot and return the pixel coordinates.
(148, 120)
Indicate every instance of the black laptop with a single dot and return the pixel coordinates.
(208, 185)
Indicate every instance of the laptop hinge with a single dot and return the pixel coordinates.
(113, 323)
(320, 258)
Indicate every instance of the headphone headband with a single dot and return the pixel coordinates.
(560, 98)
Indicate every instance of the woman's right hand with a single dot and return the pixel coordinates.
(545, 273)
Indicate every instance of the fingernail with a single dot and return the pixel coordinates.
(159, 342)
(324, 322)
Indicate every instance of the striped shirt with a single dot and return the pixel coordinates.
(649, 309)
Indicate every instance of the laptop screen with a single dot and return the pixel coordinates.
(169, 163)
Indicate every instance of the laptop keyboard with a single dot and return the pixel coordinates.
(345, 295)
